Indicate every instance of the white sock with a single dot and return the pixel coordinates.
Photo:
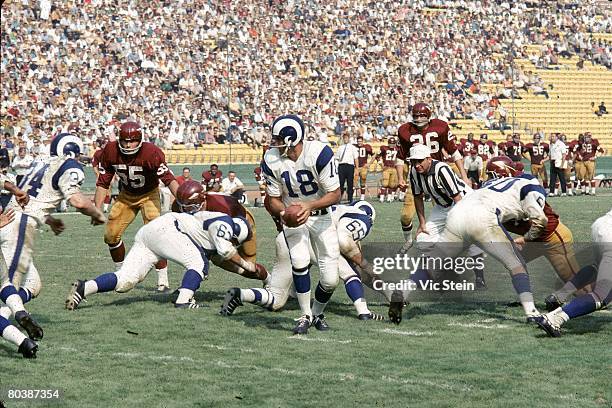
(593, 190)
(12, 334)
(304, 301)
(5, 312)
(105, 207)
(529, 307)
(184, 295)
(362, 197)
(247, 295)
(91, 287)
(267, 280)
(361, 306)
(407, 235)
(118, 265)
(317, 307)
(162, 277)
(15, 303)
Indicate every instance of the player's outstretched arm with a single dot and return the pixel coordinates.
(399, 167)
(85, 206)
(22, 197)
(173, 186)
(7, 217)
(464, 177)
(99, 197)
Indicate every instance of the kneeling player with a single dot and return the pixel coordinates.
(353, 223)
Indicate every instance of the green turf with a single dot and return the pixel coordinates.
(442, 355)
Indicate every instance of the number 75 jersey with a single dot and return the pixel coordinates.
(309, 178)
(138, 173)
(48, 183)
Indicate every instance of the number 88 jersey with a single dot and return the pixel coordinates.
(313, 175)
(47, 184)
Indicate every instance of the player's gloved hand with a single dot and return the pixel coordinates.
(57, 225)
(7, 217)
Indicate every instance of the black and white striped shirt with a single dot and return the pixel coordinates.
(440, 182)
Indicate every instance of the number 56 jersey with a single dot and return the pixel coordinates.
(309, 178)
(48, 183)
(139, 173)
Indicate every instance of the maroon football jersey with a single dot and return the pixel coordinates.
(466, 146)
(389, 155)
(209, 179)
(226, 204)
(537, 152)
(436, 135)
(514, 150)
(486, 150)
(365, 151)
(589, 149)
(138, 173)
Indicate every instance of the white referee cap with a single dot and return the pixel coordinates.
(419, 152)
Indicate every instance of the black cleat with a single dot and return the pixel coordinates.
(395, 307)
(319, 323)
(35, 332)
(552, 302)
(230, 302)
(303, 323)
(479, 283)
(28, 348)
(371, 316)
(545, 324)
(76, 295)
(189, 305)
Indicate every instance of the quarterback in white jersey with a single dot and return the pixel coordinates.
(304, 173)
(600, 297)
(353, 223)
(47, 183)
(187, 239)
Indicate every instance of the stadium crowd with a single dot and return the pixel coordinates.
(346, 65)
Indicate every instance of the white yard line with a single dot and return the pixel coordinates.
(407, 333)
(303, 338)
(479, 325)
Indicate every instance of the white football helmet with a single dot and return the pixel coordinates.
(366, 208)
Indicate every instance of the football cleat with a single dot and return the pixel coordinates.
(552, 302)
(319, 323)
(371, 316)
(303, 323)
(76, 295)
(551, 329)
(163, 289)
(396, 306)
(479, 283)
(28, 348)
(230, 302)
(35, 332)
(189, 305)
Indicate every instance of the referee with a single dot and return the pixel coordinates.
(347, 156)
(437, 179)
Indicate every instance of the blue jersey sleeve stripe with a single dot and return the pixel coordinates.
(224, 218)
(68, 164)
(324, 158)
(532, 187)
(266, 169)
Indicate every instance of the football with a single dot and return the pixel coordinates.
(291, 215)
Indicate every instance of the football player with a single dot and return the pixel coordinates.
(389, 182)
(189, 238)
(211, 178)
(353, 223)
(139, 165)
(435, 134)
(467, 145)
(588, 152)
(95, 162)
(601, 232)
(361, 172)
(514, 148)
(538, 155)
(47, 183)
(303, 173)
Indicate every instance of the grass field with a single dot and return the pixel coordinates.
(449, 354)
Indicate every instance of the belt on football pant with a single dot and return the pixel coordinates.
(322, 211)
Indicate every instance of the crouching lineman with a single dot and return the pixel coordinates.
(189, 238)
(601, 233)
(353, 223)
(497, 202)
(47, 184)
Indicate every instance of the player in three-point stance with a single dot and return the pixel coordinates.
(304, 173)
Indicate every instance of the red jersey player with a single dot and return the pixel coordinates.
(538, 154)
(485, 148)
(388, 154)
(588, 152)
(139, 166)
(95, 162)
(361, 173)
(260, 181)
(434, 133)
(514, 148)
(467, 145)
(211, 179)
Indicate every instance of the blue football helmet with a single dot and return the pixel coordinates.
(66, 144)
(366, 208)
(242, 231)
(287, 131)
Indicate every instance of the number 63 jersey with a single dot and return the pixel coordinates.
(48, 183)
(139, 173)
(309, 178)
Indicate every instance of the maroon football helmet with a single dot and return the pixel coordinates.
(421, 112)
(501, 166)
(190, 196)
(129, 132)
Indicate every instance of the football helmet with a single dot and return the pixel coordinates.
(242, 231)
(516, 137)
(421, 112)
(537, 138)
(366, 208)
(129, 132)
(501, 166)
(484, 136)
(588, 137)
(470, 137)
(287, 131)
(190, 197)
(66, 144)
(392, 141)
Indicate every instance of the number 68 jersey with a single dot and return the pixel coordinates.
(47, 184)
(309, 178)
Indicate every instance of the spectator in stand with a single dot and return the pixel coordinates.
(21, 164)
(232, 186)
(185, 176)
